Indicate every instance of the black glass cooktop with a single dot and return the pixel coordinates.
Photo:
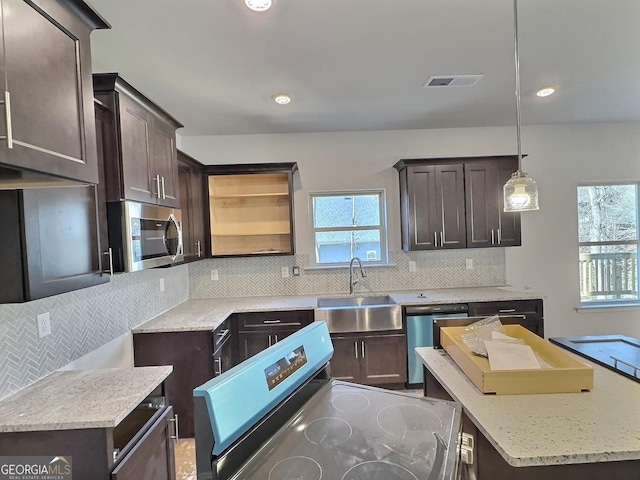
(352, 432)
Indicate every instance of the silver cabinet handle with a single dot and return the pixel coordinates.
(442, 239)
(158, 185)
(276, 338)
(217, 362)
(270, 340)
(163, 191)
(362, 343)
(507, 310)
(435, 239)
(175, 421)
(198, 251)
(499, 236)
(493, 237)
(355, 347)
(7, 117)
(271, 321)
(110, 253)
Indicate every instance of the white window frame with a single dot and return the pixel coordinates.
(614, 301)
(384, 249)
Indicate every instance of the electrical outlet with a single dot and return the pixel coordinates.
(162, 284)
(214, 275)
(469, 264)
(44, 325)
(285, 272)
(412, 267)
(295, 271)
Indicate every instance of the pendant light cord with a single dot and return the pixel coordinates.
(517, 62)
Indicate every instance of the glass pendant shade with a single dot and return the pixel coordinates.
(520, 193)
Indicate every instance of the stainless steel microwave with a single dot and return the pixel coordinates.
(143, 236)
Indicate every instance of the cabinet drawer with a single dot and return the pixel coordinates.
(516, 307)
(274, 320)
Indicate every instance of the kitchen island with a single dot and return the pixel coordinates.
(590, 435)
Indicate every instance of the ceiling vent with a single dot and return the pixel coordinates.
(452, 81)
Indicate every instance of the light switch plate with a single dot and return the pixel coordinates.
(285, 272)
(412, 267)
(214, 275)
(44, 325)
(469, 264)
(162, 284)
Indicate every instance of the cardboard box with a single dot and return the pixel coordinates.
(568, 375)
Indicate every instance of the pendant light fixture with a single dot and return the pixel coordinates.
(520, 192)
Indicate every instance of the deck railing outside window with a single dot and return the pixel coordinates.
(605, 276)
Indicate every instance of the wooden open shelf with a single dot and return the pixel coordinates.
(251, 213)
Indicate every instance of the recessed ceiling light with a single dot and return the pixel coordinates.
(281, 99)
(546, 91)
(258, 5)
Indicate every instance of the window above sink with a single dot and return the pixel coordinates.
(347, 224)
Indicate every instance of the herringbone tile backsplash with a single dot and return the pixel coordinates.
(246, 277)
(81, 321)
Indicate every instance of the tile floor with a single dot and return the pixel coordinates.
(186, 459)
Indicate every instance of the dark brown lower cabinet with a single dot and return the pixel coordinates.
(370, 359)
(254, 342)
(489, 464)
(190, 354)
(141, 447)
(152, 455)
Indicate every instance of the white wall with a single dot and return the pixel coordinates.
(559, 158)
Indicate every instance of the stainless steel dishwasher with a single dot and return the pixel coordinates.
(420, 332)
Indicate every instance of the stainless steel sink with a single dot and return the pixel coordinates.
(359, 314)
(341, 302)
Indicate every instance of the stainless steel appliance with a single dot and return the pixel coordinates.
(143, 236)
(420, 321)
(279, 416)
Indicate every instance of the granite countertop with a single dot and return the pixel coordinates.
(77, 399)
(207, 314)
(602, 425)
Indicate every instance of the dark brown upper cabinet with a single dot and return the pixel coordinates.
(51, 242)
(432, 206)
(191, 190)
(456, 203)
(488, 225)
(250, 209)
(47, 120)
(143, 165)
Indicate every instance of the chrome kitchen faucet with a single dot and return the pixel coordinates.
(353, 279)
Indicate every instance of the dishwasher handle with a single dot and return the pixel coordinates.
(444, 309)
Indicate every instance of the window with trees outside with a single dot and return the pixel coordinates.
(608, 242)
(346, 225)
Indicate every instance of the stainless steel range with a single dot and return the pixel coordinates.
(279, 416)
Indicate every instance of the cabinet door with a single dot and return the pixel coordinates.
(135, 132)
(487, 224)
(188, 243)
(384, 359)
(482, 204)
(423, 224)
(255, 342)
(252, 343)
(47, 70)
(197, 211)
(165, 163)
(345, 363)
(153, 456)
(450, 213)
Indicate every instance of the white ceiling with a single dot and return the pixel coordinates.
(360, 64)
